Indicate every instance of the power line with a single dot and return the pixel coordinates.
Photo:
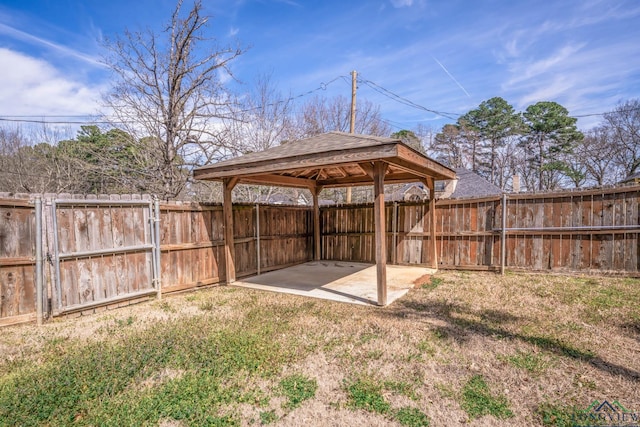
(32, 118)
(57, 122)
(630, 110)
(48, 115)
(322, 87)
(402, 100)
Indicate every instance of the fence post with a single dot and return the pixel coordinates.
(39, 260)
(503, 235)
(156, 246)
(394, 226)
(258, 236)
(56, 258)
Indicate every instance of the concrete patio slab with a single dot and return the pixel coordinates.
(350, 282)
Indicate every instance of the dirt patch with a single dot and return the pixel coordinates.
(159, 378)
(422, 280)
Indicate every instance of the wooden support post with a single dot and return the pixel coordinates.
(432, 222)
(503, 235)
(430, 183)
(317, 250)
(379, 170)
(394, 226)
(229, 247)
(258, 260)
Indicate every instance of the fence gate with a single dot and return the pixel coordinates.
(104, 252)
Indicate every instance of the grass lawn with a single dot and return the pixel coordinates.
(464, 348)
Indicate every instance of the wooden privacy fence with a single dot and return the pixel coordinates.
(92, 253)
(347, 233)
(592, 230)
(102, 252)
(192, 241)
(587, 230)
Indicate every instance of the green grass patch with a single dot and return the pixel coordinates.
(100, 383)
(529, 361)
(365, 393)
(440, 333)
(374, 354)
(557, 415)
(207, 305)
(125, 322)
(477, 400)
(598, 298)
(166, 306)
(426, 347)
(433, 283)
(268, 417)
(297, 388)
(411, 417)
(366, 337)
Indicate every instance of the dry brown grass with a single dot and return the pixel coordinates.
(536, 339)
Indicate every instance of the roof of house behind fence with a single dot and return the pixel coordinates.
(331, 159)
(470, 184)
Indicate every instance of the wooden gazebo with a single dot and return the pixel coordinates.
(333, 159)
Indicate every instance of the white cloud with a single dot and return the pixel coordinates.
(402, 3)
(288, 2)
(33, 86)
(526, 70)
(65, 50)
(551, 90)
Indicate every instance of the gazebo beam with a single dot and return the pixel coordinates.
(379, 170)
(229, 243)
(274, 179)
(367, 168)
(398, 177)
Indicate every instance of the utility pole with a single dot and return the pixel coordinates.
(352, 127)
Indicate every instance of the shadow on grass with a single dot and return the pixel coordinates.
(461, 324)
(632, 329)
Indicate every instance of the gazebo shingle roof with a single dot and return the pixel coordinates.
(331, 160)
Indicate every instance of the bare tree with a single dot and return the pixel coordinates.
(510, 159)
(167, 87)
(448, 146)
(472, 145)
(262, 120)
(31, 162)
(333, 114)
(597, 154)
(624, 127)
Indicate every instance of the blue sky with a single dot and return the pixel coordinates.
(444, 55)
